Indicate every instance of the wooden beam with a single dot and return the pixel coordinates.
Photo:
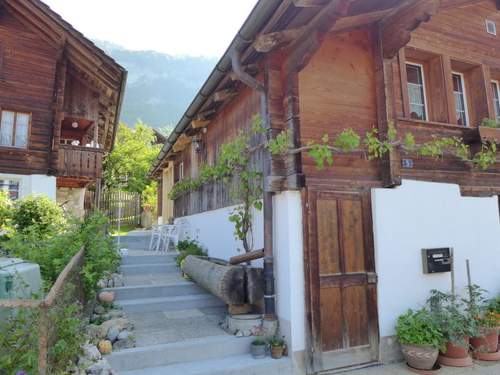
(267, 42)
(397, 27)
(223, 95)
(198, 123)
(252, 255)
(310, 3)
(309, 41)
(181, 143)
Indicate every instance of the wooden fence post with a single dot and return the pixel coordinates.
(43, 339)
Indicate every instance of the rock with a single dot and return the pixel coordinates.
(93, 331)
(124, 344)
(101, 367)
(106, 297)
(91, 352)
(84, 362)
(99, 310)
(105, 346)
(113, 333)
(113, 314)
(111, 283)
(123, 335)
(239, 334)
(120, 324)
(102, 284)
(117, 280)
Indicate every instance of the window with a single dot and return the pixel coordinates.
(14, 127)
(416, 91)
(181, 171)
(491, 27)
(11, 187)
(460, 99)
(496, 98)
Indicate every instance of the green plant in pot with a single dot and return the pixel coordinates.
(278, 346)
(486, 340)
(456, 324)
(258, 348)
(420, 338)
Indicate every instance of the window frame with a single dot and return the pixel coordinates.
(7, 183)
(28, 132)
(424, 89)
(464, 95)
(497, 89)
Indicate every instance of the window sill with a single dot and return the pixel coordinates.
(15, 149)
(434, 124)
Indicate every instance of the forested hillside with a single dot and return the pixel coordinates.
(159, 87)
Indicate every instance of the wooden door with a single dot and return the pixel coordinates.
(341, 279)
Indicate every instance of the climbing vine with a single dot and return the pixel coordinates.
(234, 159)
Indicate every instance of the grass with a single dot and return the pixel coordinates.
(124, 230)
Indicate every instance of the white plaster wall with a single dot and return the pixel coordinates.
(421, 215)
(33, 184)
(215, 232)
(289, 266)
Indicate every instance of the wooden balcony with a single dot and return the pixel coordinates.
(83, 163)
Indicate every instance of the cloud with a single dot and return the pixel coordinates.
(187, 27)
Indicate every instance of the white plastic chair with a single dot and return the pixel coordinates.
(156, 232)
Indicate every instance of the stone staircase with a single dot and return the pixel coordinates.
(177, 323)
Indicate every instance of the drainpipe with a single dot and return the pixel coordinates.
(269, 293)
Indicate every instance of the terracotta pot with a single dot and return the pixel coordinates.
(457, 351)
(419, 356)
(277, 352)
(487, 342)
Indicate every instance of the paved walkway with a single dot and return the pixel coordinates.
(480, 368)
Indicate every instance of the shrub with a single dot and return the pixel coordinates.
(419, 328)
(188, 247)
(38, 212)
(451, 316)
(489, 123)
(6, 208)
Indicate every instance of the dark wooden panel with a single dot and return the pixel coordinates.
(328, 237)
(331, 319)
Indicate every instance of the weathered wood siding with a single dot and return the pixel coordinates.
(27, 74)
(453, 40)
(230, 121)
(337, 91)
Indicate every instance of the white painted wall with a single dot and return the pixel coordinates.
(421, 215)
(33, 184)
(215, 232)
(289, 266)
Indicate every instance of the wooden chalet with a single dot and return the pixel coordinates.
(345, 242)
(60, 98)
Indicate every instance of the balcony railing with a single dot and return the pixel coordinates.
(80, 162)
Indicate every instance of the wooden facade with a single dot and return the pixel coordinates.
(70, 90)
(343, 64)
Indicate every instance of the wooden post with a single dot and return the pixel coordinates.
(452, 259)
(43, 336)
(469, 280)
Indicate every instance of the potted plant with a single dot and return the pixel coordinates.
(258, 348)
(456, 325)
(420, 339)
(486, 341)
(277, 345)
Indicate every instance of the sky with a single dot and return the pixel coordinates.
(178, 28)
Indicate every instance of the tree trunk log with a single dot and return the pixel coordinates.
(224, 281)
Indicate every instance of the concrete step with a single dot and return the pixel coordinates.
(179, 352)
(149, 259)
(186, 302)
(241, 365)
(156, 291)
(149, 269)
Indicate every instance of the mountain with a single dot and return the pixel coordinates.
(159, 87)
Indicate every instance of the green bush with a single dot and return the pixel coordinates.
(419, 328)
(188, 247)
(38, 212)
(6, 208)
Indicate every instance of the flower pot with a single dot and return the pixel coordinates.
(258, 351)
(487, 342)
(457, 351)
(277, 351)
(420, 357)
